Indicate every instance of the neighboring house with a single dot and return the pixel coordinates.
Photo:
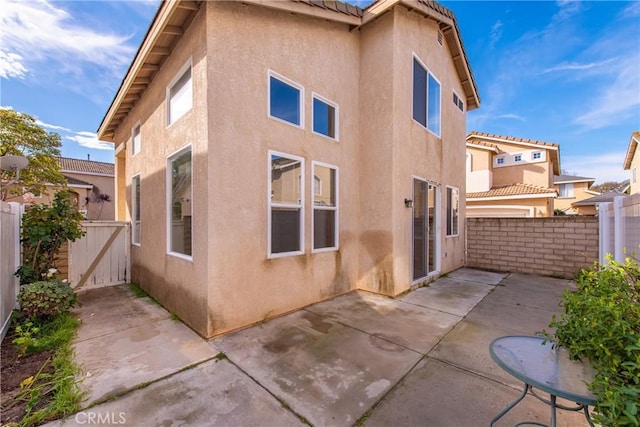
(592, 202)
(510, 177)
(571, 190)
(88, 180)
(632, 163)
(274, 154)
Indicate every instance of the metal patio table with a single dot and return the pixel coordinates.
(542, 365)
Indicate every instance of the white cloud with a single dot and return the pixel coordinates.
(603, 167)
(11, 65)
(89, 140)
(496, 33)
(575, 66)
(52, 127)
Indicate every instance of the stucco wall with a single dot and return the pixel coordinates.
(579, 193)
(557, 246)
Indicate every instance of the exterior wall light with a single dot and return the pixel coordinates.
(408, 203)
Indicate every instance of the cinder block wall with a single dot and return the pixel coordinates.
(556, 246)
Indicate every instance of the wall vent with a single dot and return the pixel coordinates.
(440, 38)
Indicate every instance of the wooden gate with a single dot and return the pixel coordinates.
(101, 257)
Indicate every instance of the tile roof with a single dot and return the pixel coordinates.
(602, 198)
(511, 191)
(488, 145)
(631, 150)
(474, 134)
(559, 179)
(336, 6)
(74, 181)
(86, 166)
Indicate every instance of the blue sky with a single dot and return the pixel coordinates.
(566, 71)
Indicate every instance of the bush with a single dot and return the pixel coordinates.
(601, 323)
(46, 299)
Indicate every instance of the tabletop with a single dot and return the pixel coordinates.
(537, 362)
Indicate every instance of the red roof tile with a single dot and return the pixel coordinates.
(473, 134)
(511, 190)
(86, 166)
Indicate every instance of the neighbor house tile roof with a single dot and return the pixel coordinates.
(86, 166)
(474, 134)
(559, 179)
(74, 181)
(484, 145)
(512, 190)
(602, 198)
(631, 150)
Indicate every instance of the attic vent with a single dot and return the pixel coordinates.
(458, 102)
(440, 38)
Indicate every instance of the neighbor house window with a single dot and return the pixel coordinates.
(500, 160)
(135, 140)
(565, 190)
(179, 184)
(325, 117)
(285, 100)
(135, 210)
(517, 158)
(325, 207)
(426, 98)
(453, 203)
(635, 175)
(180, 95)
(537, 155)
(286, 197)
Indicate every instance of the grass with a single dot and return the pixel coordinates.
(58, 391)
(137, 290)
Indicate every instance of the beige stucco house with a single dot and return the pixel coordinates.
(87, 180)
(632, 163)
(571, 191)
(272, 154)
(510, 177)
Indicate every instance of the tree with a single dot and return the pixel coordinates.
(607, 186)
(20, 135)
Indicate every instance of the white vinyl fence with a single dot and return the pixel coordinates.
(10, 214)
(620, 228)
(101, 257)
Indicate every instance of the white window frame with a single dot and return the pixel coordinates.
(429, 73)
(135, 207)
(450, 211)
(517, 158)
(169, 207)
(326, 208)
(294, 84)
(270, 205)
(538, 153)
(568, 185)
(324, 100)
(172, 83)
(135, 148)
(498, 162)
(634, 174)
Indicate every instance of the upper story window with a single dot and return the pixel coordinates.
(285, 100)
(180, 95)
(426, 98)
(458, 102)
(517, 158)
(325, 117)
(537, 155)
(135, 140)
(565, 190)
(500, 160)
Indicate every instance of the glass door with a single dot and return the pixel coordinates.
(424, 228)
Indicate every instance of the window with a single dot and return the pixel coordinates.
(180, 95)
(179, 184)
(517, 158)
(565, 190)
(500, 160)
(285, 100)
(537, 155)
(635, 175)
(452, 211)
(285, 205)
(135, 140)
(325, 208)
(426, 98)
(317, 185)
(325, 117)
(458, 102)
(135, 210)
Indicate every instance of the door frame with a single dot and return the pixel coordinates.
(437, 222)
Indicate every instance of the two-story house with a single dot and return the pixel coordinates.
(571, 191)
(632, 163)
(510, 177)
(270, 155)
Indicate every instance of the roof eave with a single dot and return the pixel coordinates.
(631, 150)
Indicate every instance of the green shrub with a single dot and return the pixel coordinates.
(46, 299)
(601, 323)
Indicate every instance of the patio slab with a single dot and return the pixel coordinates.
(520, 319)
(449, 296)
(228, 397)
(328, 373)
(438, 394)
(408, 325)
(473, 275)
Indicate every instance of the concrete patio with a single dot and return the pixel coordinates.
(421, 359)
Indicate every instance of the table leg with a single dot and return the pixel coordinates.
(586, 415)
(511, 405)
(553, 410)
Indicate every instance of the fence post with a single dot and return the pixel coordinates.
(17, 209)
(618, 229)
(603, 226)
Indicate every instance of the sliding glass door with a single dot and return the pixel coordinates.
(424, 228)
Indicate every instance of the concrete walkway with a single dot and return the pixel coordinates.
(419, 360)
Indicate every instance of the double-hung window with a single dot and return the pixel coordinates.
(179, 186)
(180, 95)
(426, 98)
(453, 203)
(325, 207)
(565, 190)
(325, 117)
(135, 140)
(285, 100)
(286, 208)
(135, 210)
